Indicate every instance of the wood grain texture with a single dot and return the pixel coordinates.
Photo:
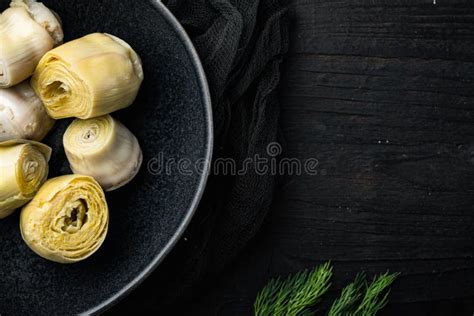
(382, 94)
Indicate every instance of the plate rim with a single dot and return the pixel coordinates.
(204, 87)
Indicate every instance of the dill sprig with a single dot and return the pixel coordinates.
(362, 299)
(373, 301)
(295, 295)
(298, 293)
(350, 297)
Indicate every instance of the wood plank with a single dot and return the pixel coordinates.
(381, 93)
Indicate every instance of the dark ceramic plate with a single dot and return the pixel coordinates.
(172, 120)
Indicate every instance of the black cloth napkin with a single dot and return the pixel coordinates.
(241, 44)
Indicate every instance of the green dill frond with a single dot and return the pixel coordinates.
(309, 292)
(373, 301)
(350, 297)
(266, 298)
(298, 293)
(294, 295)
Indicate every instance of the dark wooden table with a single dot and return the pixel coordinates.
(381, 92)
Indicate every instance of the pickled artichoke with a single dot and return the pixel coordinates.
(28, 30)
(22, 114)
(103, 148)
(67, 220)
(23, 169)
(88, 77)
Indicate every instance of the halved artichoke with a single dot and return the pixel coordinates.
(22, 114)
(28, 29)
(23, 169)
(103, 148)
(67, 220)
(88, 77)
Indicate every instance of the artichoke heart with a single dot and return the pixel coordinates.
(103, 148)
(28, 29)
(23, 169)
(67, 220)
(88, 77)
(22, 114)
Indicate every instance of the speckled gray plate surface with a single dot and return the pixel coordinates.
(172, 119)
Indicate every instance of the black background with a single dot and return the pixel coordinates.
(381, 93)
